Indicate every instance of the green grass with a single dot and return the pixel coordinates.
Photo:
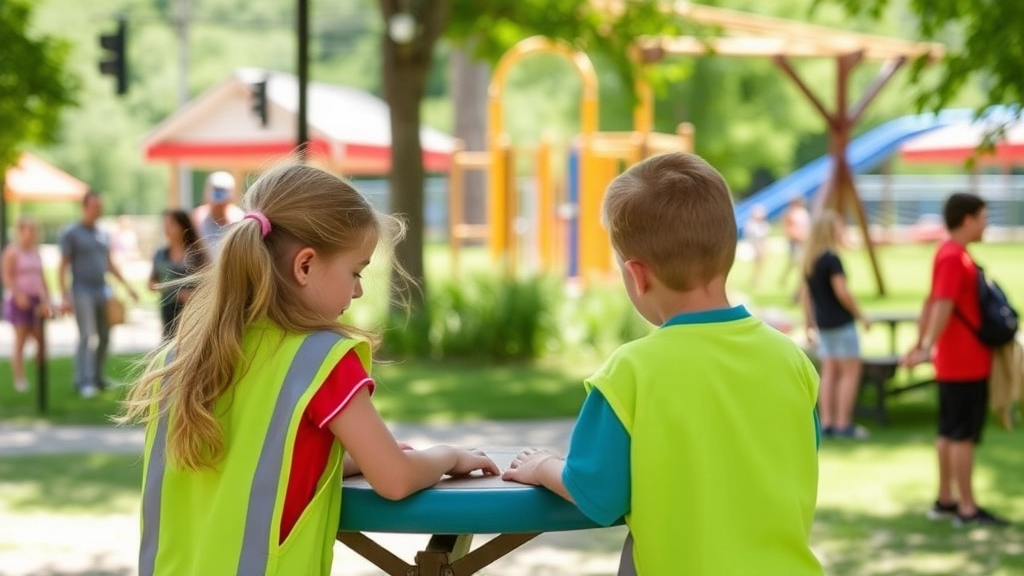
(71, 484)
(64, 404)
(906, 270)
(407, 392)
(427, 391)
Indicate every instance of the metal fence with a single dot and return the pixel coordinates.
(905, 199)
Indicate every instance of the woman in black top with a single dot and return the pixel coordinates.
(184, 254)
(830, 312)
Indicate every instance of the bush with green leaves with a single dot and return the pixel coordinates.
(500, 319)
(486, 317)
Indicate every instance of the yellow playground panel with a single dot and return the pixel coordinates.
(568, 235)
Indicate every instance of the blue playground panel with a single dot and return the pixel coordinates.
(572, 193)
(864, 153)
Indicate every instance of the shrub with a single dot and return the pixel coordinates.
(497, 319)
(485, 318)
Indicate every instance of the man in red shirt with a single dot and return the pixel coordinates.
(962, 362)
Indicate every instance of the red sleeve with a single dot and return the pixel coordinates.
(949, 277)
(341, 385)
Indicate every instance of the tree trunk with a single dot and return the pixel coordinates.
(405, 68)
(3, 220)
(469, 80)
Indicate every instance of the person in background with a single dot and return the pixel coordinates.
(26, 298)
(755, 232)
(183, 255)
(831, 313)
(85, 251)
(219, 210)
(962, 362)
(796, 225)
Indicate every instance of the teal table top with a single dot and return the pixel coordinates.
(471, 505)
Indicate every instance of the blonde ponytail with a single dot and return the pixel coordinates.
(250, 280)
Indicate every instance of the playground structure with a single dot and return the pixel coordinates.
(741, 34)
(567, 215)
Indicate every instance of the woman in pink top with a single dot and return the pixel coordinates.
(26, 297)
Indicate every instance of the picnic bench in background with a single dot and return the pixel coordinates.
(879, 376)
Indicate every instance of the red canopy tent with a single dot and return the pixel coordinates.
(33, 180)
(349, 129)
(959, 143)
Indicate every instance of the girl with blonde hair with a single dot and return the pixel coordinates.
(261, 400)
(831, 312)
(27, 299)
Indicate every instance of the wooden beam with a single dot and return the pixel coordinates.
(884, 75)
(654, 48)
(846, 189)
(733, 21)
(786, 67)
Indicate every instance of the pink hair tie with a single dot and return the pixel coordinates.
(262, 219)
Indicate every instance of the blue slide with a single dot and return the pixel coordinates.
(864, 153)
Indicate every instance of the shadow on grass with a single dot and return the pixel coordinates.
(65, 406)
(70, 483)
(873, 496)
(863, 544)
(412, 391)
(434, 391)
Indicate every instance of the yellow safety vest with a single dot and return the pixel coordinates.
(226, 520)
(724, 470)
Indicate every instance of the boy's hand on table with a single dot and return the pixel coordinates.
(525, 467)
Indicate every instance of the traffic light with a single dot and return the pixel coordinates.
(115, 61)
(259, 100)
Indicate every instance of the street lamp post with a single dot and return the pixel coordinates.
(302, 29)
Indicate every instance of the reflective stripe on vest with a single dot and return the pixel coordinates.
(255, 550)
(151, 494)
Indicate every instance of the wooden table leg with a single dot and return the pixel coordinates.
(391, 565)
(487, 554)
(445, 554)
(892, 339)
(442, 551)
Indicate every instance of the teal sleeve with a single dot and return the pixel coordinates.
(597, 473)
(817, 429)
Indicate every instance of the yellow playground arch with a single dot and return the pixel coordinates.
(567, 231)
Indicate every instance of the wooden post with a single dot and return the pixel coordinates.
(545, 205)
(839, 191)
(455, 179)
(174, 189)
(888, 207)
(511, 211)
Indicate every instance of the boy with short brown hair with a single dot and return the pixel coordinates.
(702, 434)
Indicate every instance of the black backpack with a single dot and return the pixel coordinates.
(998, 317)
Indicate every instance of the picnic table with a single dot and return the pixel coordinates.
(893, 319)
(879, 371)
(878, 375)
(453, 511)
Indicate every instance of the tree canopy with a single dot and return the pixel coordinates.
(34, 84)
(983, 38)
